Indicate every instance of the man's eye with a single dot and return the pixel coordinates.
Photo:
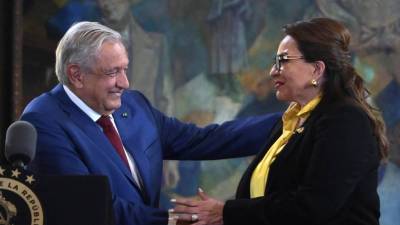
(111, 72)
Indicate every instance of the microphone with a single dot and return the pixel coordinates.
(20, 146)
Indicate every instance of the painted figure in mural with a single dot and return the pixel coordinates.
(228, 35)
(375, 26)
(90, 123)
(313, 169)
(149, 64)
(228, 50)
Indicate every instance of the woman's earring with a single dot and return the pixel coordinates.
(314, 82)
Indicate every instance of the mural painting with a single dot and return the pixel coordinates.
(207, 62)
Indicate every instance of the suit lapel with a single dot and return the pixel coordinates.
(291, 144)
(127, 124)
(244, 185)
(243, 190)
(89, 127)
(299, 134)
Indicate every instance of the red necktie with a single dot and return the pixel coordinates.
(112, 135)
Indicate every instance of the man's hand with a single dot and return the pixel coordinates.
(206, 211)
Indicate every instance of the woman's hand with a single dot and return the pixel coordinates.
(206, 211)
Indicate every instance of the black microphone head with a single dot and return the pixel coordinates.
(20, 144)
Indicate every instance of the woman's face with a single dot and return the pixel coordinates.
(292, 80)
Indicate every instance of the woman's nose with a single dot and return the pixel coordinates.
(273, 72)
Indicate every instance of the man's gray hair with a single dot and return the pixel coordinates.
(80, 45)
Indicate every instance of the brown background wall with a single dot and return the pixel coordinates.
(6, 15)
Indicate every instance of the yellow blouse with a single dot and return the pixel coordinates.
(290, 120)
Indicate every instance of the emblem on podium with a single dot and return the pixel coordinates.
(19, 205)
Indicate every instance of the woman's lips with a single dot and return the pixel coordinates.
(278, 84)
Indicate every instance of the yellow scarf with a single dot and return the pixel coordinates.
(290, 120)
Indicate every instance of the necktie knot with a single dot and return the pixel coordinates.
(104, 122)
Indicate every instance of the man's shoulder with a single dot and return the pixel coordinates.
(131, 93)
(45, 103)
(40, 103)
(134, 97)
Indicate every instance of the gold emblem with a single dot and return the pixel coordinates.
(14, 187)
(300, 130)
(8, 212)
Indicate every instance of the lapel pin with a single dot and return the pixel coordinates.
(300, 130)
(124, 114)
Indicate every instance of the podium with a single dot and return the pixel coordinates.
(75, 200)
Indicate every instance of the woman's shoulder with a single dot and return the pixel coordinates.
(345, 114)
(342, 107)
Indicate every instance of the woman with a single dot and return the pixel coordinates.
(319, 166)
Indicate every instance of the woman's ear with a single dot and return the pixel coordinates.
(75, 75)
(319, 70)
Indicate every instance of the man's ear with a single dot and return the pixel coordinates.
(319, 70)
(75, 75)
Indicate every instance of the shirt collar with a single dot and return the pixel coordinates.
(295, 111)
(306, 110)
(82, 105)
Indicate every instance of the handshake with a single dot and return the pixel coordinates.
(201, 211)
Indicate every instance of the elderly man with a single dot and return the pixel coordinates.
(90, 124)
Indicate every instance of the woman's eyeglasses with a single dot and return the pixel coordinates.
(281, 58)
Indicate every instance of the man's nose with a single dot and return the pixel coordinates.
(122, 80)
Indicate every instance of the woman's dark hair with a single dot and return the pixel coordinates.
(327, 40)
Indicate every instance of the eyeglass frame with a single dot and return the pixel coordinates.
(282, 57)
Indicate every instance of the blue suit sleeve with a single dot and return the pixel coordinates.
(131, 213)
(237, 138)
